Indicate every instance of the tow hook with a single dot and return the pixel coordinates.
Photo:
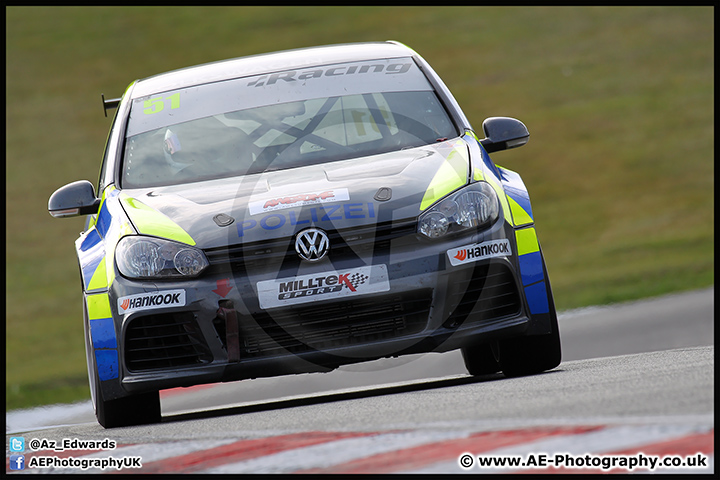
(226, 312)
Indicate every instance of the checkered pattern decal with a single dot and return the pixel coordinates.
(358, 279)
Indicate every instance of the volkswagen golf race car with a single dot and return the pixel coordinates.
(297, 211)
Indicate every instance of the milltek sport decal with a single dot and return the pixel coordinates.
(149, 301)
(479, 251)
(321, 286)
(290, 201)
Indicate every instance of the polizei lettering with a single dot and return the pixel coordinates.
(149, 301)
(479, 251)
(332, 71)
(309, 216)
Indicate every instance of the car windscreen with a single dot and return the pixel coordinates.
(281, 120)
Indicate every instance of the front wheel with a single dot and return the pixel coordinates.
(481, 359)
(532, 354)
(130, 410)
(138, 409)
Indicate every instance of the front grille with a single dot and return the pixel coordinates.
(164, 341)
(327, 325)
(491, 293)
(345, 243)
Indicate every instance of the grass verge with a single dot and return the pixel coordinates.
(618, 100)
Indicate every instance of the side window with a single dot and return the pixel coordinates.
(100, 185)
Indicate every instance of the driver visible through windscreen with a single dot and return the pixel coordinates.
(279, 121)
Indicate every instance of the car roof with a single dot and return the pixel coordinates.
(268, 63)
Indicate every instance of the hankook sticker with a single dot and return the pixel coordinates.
(479, 251)
(322, 286)
(150, 301)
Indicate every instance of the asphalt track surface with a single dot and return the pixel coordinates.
(635, 378)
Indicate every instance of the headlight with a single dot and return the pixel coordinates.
(148, 257)
(473, 206)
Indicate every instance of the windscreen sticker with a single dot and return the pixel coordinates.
(479, 251)
(291, 201)
(323, 286)
(159, 110)
(157, 105)
(150, 301)
(332, 71)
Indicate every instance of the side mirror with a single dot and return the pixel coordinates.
(503, 133)
(77, 198)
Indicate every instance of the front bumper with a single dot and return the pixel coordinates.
(223, 334)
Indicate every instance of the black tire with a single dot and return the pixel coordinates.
(530, 355)
(480, 359)
(535, 353)
(89, 357)
(138, 409)
(131, 410)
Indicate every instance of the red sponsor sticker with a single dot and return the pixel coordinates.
(298, 200)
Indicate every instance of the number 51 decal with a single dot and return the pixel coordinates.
(156, 105)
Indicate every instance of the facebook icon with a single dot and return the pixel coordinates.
(17, 462)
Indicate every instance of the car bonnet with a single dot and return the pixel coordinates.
(332, 196)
